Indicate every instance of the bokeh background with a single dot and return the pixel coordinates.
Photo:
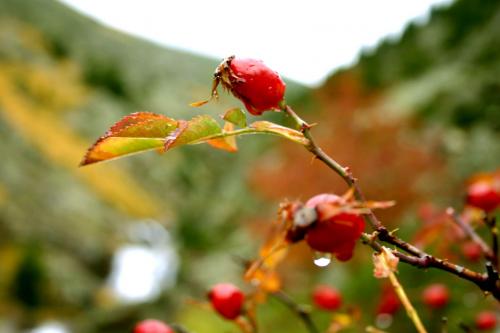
(96, 249)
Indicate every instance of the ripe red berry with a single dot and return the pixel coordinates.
(472, 251)
(227, 300)
(327, 298)
(436, 296)
(152, 326)
(484, 192)
(334, 232)
(389, 302)
(256, 85)
(486, 320)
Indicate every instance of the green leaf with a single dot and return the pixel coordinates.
(197, 130)
(134, 133)
(272, 128)
(143, 131)
(236, 116)
(227, 143)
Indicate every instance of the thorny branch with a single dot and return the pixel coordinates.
(488, 282)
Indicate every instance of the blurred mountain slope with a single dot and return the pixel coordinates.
(64, 79)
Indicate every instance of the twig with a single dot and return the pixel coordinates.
(414, 256)
(465, 328)
(471, 233)
(302, 312)
(244, 325)
(492, 224)
(444, 325)
(398, 288)
(179, 328)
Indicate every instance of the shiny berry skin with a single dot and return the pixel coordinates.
(333, 233)
(472, 251)
(327, 298)
(152, 326)
(227, 300)
(436, 296)
(484, 192)
(389, 302)
(256, 85)
(486, 320)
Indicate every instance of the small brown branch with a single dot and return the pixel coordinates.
(470, 232)
(492, 224)
(301, 312)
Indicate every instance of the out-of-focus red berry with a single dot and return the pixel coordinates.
(327, 298)
(486, 320)
(334, 233)
(227, 300)
(152, 326)
(256, 85)
(436, 296)
(484, 192)
(472, 251)
(389, 302)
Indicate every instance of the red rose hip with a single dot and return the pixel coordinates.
(335, 231)
(152, 326)
(389, 302)
(227, 300)
(436, 296)
(327, 298)
(251, 81)
(486, 320)
(472, 251)
(484, 192)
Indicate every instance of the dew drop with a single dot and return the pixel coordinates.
(322, 259)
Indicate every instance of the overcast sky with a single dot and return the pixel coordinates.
(303, 40)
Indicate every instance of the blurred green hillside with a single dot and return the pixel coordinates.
(64, 79)
(414, 118)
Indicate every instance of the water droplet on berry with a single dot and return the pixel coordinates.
(322, 259)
